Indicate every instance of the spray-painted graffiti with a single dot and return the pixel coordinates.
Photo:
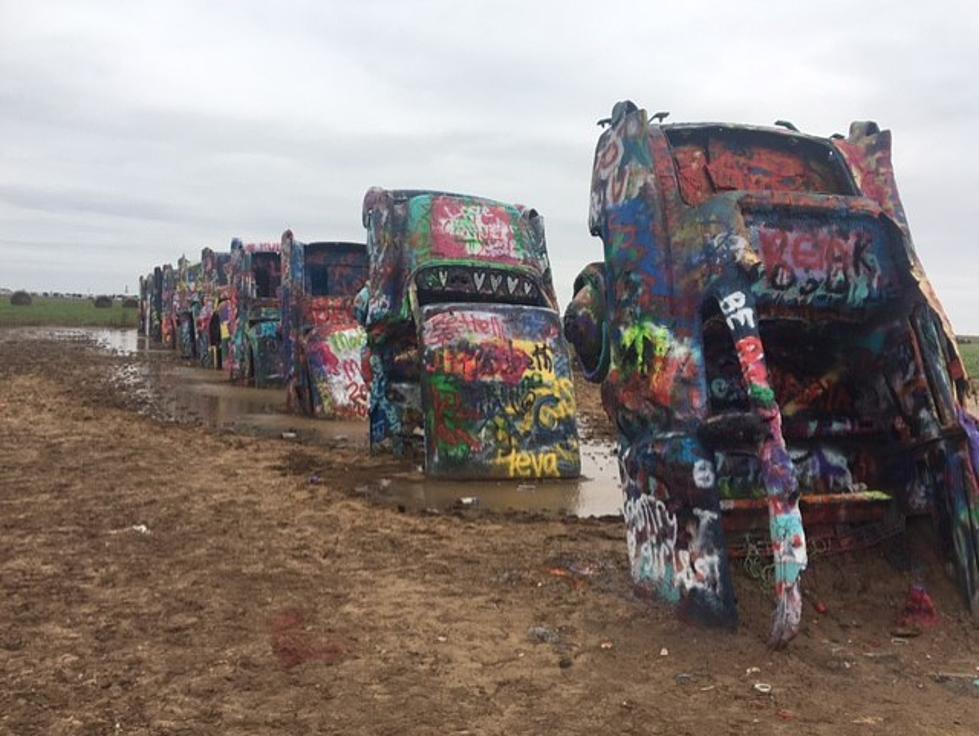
(168, 316)
(254, 311)
(464, 344)
(500, 406)
(761, 311)
(322, 343)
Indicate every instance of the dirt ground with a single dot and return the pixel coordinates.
(158, 578)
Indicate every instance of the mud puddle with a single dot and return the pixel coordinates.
(169, 390)
(118, 340)
(595, 493)
(165, 388)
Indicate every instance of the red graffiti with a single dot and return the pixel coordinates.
(474, 363)
(448, 327)
(752, 358)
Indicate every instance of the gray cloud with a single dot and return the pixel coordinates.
(131, 133)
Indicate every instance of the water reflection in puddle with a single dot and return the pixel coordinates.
(203, 395)
(206, 396)
(595, 493)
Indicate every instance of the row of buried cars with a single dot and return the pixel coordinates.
(768, 347)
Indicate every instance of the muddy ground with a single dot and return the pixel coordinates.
(163, 578)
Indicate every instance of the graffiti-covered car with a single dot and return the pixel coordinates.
(767, 339)
(187, 304)
(144, 308)
(153, 312)
(168, 315)
(254, 312)
(213, 313)
(322, 341)
(464, 337)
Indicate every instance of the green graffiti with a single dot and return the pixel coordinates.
(636, 336)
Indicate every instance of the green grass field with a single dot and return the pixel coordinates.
(970, 356)
(61, 312)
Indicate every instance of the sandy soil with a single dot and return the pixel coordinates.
(163, 579)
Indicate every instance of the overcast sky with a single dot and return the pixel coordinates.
(131, 133)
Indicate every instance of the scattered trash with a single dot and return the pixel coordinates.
(467, 502)
(682, 678)
(785, 715)
(523, 487)
(289, 435)
(919, 610)
(898, 640)
(947, 676)
(606, 645)
(706, 688)
(762, 687)
(315, 480)
(585, 569)
(138, 528)
(664, 652)
(821, 608)
(441, 639)
(384, 482)
(752, 670)
(868, 720)
(880, 655)
(906, 632)
(543, 635)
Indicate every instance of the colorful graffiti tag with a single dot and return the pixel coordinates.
(213, 290)
(322, 342)
(464, 347)
(501, 396)
(763, 329)
(253, 314)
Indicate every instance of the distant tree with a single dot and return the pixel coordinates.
(21, 299)
(103, 302)
(130, 303)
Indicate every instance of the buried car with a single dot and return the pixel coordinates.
(464, 340)
(767, 338)
(187, 305)
(150, 304)
(254, 312)
(213, 312)
(322, 342)
(168, 318)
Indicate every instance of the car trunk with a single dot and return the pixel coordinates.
(497, 392)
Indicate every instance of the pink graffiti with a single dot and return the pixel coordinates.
(448, 327)
(464, 229)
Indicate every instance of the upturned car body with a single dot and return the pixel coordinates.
(153, 309)
(254, 311)
(168, 314)
(464, 339)
(214, 299)
(765, 335)
(322, 341)
(144, 308)
(187, 305)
